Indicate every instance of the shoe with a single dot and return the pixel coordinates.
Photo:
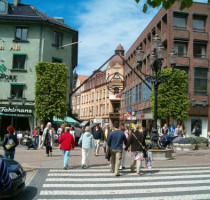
(65, 168)
(117, 174)
(138, 174)
(123, 167)
(132, 169)
(83, 166)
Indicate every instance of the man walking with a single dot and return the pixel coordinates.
(115, 142)
(98, 136)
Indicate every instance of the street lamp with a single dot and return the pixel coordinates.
(156, 59)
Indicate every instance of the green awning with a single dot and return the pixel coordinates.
(66, 119)
(17, 83)
(16, 115)
(20, 54)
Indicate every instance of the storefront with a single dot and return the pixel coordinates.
(145, 119)
(20, 116)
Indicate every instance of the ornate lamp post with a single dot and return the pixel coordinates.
(156, 60)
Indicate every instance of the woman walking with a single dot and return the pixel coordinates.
(87, 142)
(48, 138)
(66, 144)
(137, 143)
(9, 143)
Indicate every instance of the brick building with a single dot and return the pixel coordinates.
(187, 32)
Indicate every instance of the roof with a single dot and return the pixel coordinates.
(82, 78)
(29, 12)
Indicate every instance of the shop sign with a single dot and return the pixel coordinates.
(3, 68)
(131, 118)
(7, 78)
(15, 110)
(12, 47)
(144, 116)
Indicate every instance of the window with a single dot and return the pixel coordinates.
(199, 23)
(19, 62)
(21, 33)
(144, 92)
(116, 90)
(130, 96)
(137, 93)
(133, 91)
(180, 49)
(56, 60)
(107, 108)
(57, 39)
(17, 91)
(199, 50)
(180, 22)
(200, 81)
(92, 96)
(104, 93)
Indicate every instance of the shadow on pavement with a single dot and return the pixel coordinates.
(28, 193)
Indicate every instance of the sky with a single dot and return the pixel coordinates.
(102, 26)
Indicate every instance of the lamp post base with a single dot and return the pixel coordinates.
(154, 140)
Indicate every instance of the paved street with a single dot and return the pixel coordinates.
(99, 183)
(187, 176)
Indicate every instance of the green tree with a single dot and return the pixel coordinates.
(50, 91)
(166, 3)
(173, 99)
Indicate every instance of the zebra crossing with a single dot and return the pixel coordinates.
(154, 184)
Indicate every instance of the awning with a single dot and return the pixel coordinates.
(17, 83)
(84, 123)
(16, 115)
(66, 119)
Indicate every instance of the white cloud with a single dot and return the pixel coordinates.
(104, 24)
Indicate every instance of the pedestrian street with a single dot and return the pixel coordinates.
(99, 183)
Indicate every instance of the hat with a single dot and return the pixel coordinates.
(10, 129)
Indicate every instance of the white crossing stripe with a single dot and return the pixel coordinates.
(127, 191)
(68, 173)
(123, 184)
(180, 183)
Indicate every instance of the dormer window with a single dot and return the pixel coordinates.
(3, 7)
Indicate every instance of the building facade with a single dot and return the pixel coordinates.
(29, 36)
(98, 103)
(187, 32)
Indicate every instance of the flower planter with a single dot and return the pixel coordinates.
(200, 146)
(184, 147)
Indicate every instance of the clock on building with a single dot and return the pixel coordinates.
(3, 6)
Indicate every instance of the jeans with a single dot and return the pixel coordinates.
(66, 155)
(97, 145)
(115, 161)
(9, 154)
(86, 153)
(36, 141)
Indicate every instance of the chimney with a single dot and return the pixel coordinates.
(16, 2)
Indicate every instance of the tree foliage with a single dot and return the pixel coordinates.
(50, 90)
(173, 99)
(166, 4)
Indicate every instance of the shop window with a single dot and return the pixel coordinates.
(17, 91)
(57, 39)
(56, 60)
(180, 21)
(180, 49)
(199, 23)
(19, 62)
(200, 81)
(21, 33)
(199, 50)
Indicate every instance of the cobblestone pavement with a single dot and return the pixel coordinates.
(98, 183)
(192, 166)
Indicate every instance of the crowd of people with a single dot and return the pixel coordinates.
(116, 142)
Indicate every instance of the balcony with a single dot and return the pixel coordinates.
(114, 115)
(115, 97)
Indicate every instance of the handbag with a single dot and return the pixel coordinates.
(10, 143)
(145, 151)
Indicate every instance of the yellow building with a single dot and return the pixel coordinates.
(98, 103)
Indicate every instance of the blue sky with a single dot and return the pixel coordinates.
(102, 26)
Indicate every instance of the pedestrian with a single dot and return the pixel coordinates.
(87, 142)
(72, 131)
(137, 143)
(78, 133)
(67, 143)
(106, 131)
(36, 136)
(9, 143)
(98, 136)
(48, 138)
(124, 151)
(5, 180)
(40, 133)
(115, 142)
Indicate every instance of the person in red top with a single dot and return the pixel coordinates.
(67, 143)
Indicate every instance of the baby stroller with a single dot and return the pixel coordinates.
(29, 142)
